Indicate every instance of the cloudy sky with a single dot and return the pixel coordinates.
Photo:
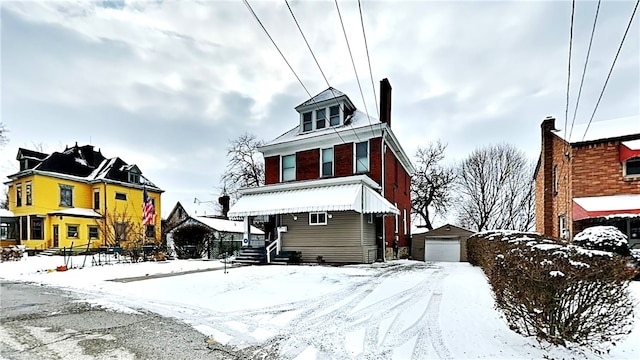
(166, 84)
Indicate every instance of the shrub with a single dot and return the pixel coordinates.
(558, 293)
(191, 240)
(606, 238)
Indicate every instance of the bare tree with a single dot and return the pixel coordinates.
(4, 203)
(496, 189)
(119, 229)
(431, 184)
(246, 165)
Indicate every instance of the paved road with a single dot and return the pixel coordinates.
(38, 322)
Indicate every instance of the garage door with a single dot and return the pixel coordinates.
(442, 250)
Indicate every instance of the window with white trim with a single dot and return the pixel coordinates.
(28, 190)
(562, 227)
(318, 218)
(307, 124)
(334, 115)
(96, 199)
(66, 195)
(631, 167)
(18, 194)
(362, 157)
(321, 118)
(327, 162)
(289, 167)
(404, 220)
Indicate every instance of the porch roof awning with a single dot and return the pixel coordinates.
(629, 149)
(344, 197)
(77, 212)
(599, 206)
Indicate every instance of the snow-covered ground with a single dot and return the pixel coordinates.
(399, 309)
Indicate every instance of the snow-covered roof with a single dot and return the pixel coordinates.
(6, 213)
(79, 212)
(599, 130)
(228, 226)
(356, 120)
(632, 145)
(327, 94)
(339, 197)
(609, 203)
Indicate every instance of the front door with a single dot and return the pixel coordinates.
(55, 235)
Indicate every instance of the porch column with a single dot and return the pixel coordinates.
(247, 231)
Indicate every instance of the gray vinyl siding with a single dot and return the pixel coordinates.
(347, 237)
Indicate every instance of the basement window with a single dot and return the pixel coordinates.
(318, 218)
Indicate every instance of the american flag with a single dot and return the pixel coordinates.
(148, 209)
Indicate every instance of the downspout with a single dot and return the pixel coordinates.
(362, 218)
(383, 147)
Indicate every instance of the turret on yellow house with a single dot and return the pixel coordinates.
(80, 198)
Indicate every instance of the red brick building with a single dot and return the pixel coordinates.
(589, 176)
(337, 184)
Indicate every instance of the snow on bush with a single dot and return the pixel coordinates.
(607, 238)
(561, 294)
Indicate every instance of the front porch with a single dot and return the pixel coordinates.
(330, 220)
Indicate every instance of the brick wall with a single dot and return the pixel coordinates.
(375, 149)
(308, 164)
(397, 193)
(597, 171)
(272, 170)
(343, 156)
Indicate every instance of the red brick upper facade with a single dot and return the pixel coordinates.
(578, 169)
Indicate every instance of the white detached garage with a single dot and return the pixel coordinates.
(447, 243)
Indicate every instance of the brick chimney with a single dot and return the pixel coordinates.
(224, 201)
(547, 126)
(385, 102)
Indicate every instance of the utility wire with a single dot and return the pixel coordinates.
(255, 16)
(354, 67)
(566, 109)
(584, 70)
(335, 96)
(375, 96)
(611, 69)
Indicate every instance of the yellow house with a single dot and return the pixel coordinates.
(80, 198)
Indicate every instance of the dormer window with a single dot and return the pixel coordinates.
(307, 125)
(321, 119)
(134, 178)
(334, 112)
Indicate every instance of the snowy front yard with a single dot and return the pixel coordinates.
(398, 310)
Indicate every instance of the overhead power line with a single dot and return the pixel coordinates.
(584, 70)
(633, 14)
(566, 109)
(354, 66)
(366, 47)
(318, 64)
(255, 16)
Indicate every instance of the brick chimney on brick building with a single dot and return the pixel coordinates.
(385, 102)
(547, 126)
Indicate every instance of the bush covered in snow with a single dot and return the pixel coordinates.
(558, 293)
(607, 238)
